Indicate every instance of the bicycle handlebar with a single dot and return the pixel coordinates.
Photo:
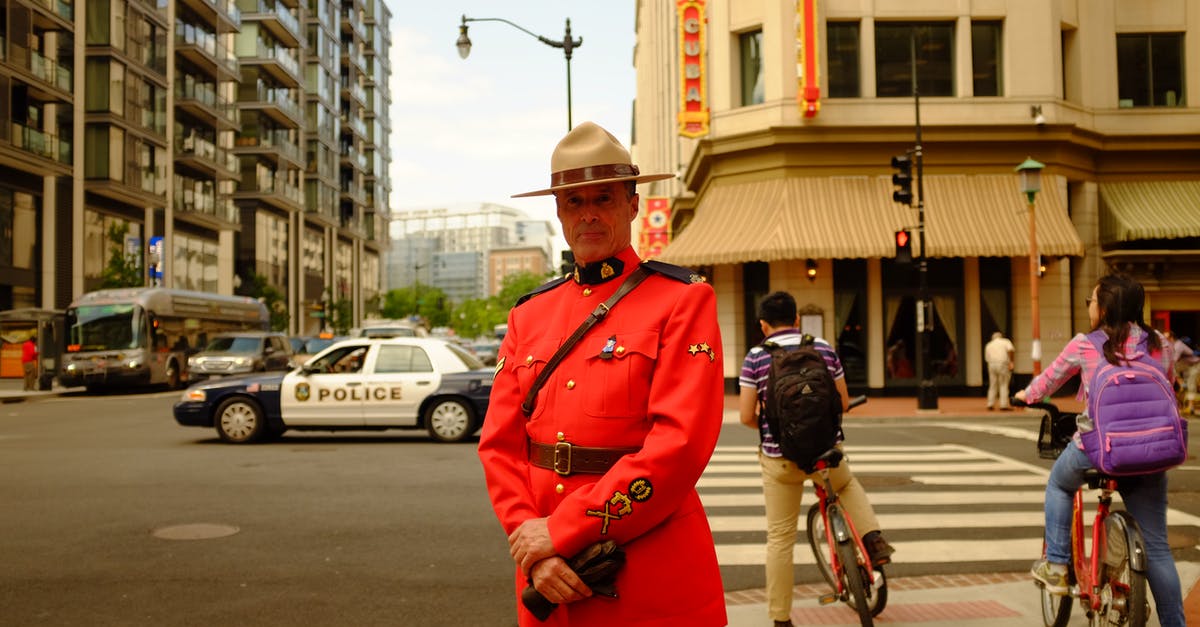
(856, 401)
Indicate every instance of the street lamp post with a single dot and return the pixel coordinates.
(1030, 172)
(567, 45)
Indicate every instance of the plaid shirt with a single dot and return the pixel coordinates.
(757, 366)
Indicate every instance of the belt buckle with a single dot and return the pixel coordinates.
(562, 458)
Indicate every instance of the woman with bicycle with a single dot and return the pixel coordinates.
(1116, 306)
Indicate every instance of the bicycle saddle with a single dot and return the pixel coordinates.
(830, 458)
(1095, 479)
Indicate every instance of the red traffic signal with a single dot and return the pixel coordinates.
(903, 246)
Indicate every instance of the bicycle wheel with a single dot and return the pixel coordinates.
(1056, 608)
(815, 529)
(1123, 589)
(819, 543)
(855, 581)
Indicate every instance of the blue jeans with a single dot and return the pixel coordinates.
(1145, 497)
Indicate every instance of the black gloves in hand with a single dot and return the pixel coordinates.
(596, 565)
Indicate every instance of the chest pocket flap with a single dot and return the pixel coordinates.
(619, 368)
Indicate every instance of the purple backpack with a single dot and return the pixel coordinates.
(1138, 429)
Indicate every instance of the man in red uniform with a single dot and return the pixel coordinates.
(625, 424)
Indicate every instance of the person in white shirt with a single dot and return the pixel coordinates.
(999, 356)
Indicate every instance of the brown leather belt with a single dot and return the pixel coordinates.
(565, 458)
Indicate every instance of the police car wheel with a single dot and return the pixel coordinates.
(449, 420)
(240, 420)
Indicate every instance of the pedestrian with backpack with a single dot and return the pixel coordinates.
(794, 384)
(1124, 367)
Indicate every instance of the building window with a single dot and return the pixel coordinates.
(985, 58)
(905, 49)
(750, 50)
(1150, 70)
(843, 59)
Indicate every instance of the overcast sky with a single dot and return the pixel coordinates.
(481, 129)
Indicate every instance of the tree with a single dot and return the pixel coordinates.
(517, 285)
(122, 270)
(424, 301)
(479, 317)
(258, 286)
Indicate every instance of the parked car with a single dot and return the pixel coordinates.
(239, 353)
(356, 384)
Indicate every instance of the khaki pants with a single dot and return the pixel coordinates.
(783, 485)
(998, 378)
(30, 375)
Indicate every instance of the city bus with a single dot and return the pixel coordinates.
(142, 336)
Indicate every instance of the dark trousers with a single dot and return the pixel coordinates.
(30, 375)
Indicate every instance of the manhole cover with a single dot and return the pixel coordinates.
(195, 531)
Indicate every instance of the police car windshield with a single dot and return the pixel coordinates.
(469, 360)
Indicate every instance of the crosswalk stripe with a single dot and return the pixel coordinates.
(857, 455)
(919, 551)
(859, 467)
(754, 481)
(894, 522)
(884, 497)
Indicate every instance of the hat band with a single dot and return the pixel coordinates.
(592, 173)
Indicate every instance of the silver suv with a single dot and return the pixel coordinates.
(239, 353)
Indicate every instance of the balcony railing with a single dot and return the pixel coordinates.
(196, 197)
(281, 12)
(41, 143)
(282, 97)
(206, 94)
(205, 149)
(282, 56)
(192, 35)
(63, 8)
(49, 70)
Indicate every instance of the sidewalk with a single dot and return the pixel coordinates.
(12, 391)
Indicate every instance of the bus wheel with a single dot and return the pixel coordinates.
(240, 420)
(173, 378)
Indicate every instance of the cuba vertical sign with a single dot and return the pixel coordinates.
(693, 106)
(808, 92)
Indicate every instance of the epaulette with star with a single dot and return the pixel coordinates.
(679, 273)
(544, 287)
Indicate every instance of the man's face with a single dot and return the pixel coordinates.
(596, 220)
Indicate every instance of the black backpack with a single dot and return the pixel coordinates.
(803, 408)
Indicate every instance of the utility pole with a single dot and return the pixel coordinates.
(927, 397)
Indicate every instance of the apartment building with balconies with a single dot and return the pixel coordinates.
(37, 146)
(199, 134)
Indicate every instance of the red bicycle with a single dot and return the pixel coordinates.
(1111, 582)
(840, 554)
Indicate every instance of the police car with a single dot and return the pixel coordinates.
(356, 384)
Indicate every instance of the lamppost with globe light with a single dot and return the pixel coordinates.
(567, 45)
(1030, 173)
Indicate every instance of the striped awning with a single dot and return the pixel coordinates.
(855, 218)
(1140, 210)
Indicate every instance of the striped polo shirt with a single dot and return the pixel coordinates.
(757, 366)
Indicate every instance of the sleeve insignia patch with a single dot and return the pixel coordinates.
(499, 367)
(640, 489)
(615, 508)
(702, 347)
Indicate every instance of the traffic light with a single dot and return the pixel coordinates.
(903, 246)
(902, 179)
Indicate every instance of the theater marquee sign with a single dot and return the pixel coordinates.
(693, 107)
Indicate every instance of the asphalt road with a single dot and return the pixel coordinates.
(115, 515)
(384, 529)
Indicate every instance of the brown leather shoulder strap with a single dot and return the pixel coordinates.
(597, 315)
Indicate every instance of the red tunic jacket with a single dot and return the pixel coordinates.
(661, 390)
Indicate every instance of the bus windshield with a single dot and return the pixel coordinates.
(104, 327)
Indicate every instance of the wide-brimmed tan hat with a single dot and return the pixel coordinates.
(589, 155)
